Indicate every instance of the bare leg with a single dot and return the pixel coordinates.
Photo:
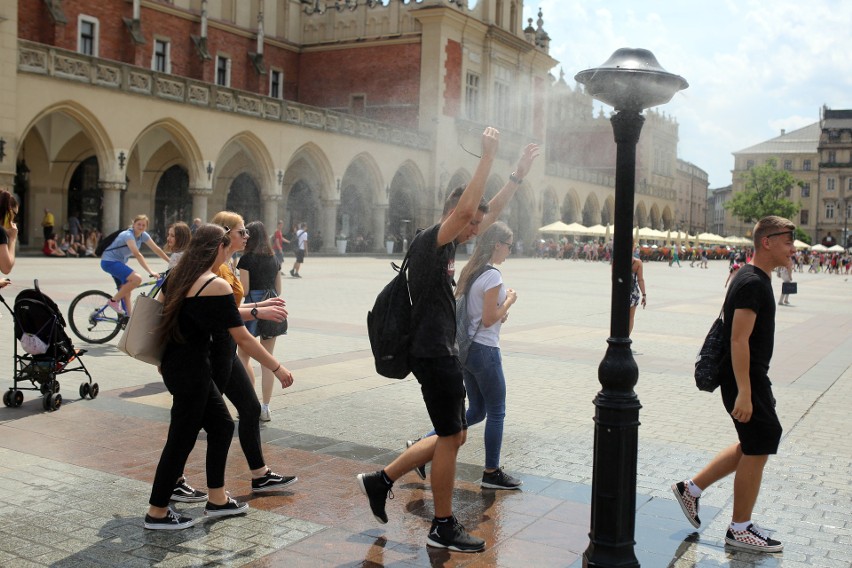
(632, 315)
(724, 464)
(267, 381)
(420, 453)
(443, 474)
(246, 360)
(133, 282)
(747, 486)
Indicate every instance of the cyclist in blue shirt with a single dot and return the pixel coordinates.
(115, 257)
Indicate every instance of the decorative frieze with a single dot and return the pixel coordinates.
(33, 61)
(198, 95)
(108, 75)
(139, 82)
(170, 89)
(72, 68)
(248, 105)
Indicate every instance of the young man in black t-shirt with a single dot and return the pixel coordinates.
(749, 314)
(434, 354)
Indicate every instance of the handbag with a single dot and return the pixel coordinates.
(269, 328)
(789, 287)
(713, 352)
(140, 339)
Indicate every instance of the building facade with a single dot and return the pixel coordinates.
(691, 185)
(355, 116)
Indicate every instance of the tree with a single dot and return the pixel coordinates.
(764, 194)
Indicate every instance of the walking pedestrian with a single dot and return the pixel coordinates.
(749, 315)
(8, 230)
(433, 355)
(786, 274)
(278, 241)
(637, 290)
(301, 249)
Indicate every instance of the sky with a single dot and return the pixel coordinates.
(753, 67)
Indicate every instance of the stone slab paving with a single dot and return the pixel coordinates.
(74, 483)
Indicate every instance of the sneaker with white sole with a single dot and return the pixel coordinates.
(752, 539)
(265, 414)
(232, 507)
(688, 503)
(173, 521)
(116, 306)
(453, 536)
(499, 479)
(271, 481)
(377, 491)
(184, 493)
(420, 470)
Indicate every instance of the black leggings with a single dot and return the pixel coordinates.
(195, 405)
(240, 392)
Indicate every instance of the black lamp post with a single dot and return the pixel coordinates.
(630, 81)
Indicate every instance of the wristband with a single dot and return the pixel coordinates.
(515, 179)
(276, 368)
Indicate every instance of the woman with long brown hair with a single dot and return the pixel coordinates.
(8, 230)
(198, 305)
(177, 239)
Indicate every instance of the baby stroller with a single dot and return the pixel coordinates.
(47, 351)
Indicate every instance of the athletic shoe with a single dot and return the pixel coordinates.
(173, 521)
(377, 491)
(453, 536)
(420, 470)
(688, 503)
(292, 273)
(184, 493)
(265, 414)
(297, 275)
(116, 306)
(271, 481)
(232, 507)
(752, 539)
(499, 479)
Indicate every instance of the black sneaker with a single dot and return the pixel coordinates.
(420, 470)
(499, 479)
(184, 493)
(271, 481)
(752, 539)
(297, 275)
(293, 274)
(232, 507)
(688, 503)
(377, 491)
(173, 521)
(453, 536)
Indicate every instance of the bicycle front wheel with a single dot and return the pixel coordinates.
(91, 318)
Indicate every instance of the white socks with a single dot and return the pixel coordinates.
(739, 527)
(693, 489)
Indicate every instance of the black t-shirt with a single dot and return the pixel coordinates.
(430, 275)
(751, 289)
(261, 269)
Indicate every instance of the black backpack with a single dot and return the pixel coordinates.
(389, 325)
(104, 243)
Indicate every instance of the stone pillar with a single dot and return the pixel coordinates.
(112, 204)
(199, 202)
(329, 224)
(269, 215)
(379, 225)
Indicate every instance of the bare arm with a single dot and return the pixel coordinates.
(461, 216)
(640, 279)
(491, 312)
(131, 244)
(245, 280)
(505, 195)
(7, 251)
(252, 346)
(741, 328)
(157, 250)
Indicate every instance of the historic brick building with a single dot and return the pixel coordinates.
(357, 116)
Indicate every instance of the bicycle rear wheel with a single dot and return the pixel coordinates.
(91, 318)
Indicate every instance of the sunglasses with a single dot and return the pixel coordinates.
(779, 233)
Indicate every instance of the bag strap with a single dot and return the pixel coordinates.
(485, 269)
(205, 285)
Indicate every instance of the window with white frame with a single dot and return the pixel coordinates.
(223, 70)
(806, 165)
(829, 210)
(503, 97)
(87, 35)
(161, 58)
(471, 96)
(276, 84)
(830, 184)
(832, 156)
(803, 217)
(806, 190)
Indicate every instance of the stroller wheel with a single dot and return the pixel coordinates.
(52, 402)
(45, 402)
(7, 398)
(55, 385)
(17, 398)
(84, 390)
(94, 390)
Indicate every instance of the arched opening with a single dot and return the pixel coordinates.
(640, 216)
(549, 208)
(353, 216)
(591, 211)
(85, 198)
(244, 198)
(401, 210)
(608, 211)
(303, 207)
(172, 202)
(571, 208)
(655, 217)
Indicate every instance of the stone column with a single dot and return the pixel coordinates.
(112, 204)
(269, 215)
(379, 225)
(329, 224)
(199, 202)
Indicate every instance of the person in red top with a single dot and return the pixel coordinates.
(278, 240)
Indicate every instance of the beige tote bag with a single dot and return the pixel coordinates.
(140, 339)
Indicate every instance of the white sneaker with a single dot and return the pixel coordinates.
(265, 414)
(115, 305)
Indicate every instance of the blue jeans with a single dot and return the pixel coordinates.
(486, 395)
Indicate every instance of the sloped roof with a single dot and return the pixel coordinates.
(802, 141)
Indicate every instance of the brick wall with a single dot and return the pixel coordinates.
(452, 78)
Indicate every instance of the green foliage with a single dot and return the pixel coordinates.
(763, 195)
(803, 236)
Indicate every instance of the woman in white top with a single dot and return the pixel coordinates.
(177, 241)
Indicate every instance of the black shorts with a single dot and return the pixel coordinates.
(761, 435)
(300, 255)
(442, 385)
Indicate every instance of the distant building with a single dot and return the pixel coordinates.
(691, 189)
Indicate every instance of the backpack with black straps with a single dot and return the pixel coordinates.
(389, 325)
(104, 243)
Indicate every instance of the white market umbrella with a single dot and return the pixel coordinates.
(819, 248)
(836, 248)
(800, 245)
(557, 227)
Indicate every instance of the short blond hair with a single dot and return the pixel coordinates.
(769, 225)
(227, 219)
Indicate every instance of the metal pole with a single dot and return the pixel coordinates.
(613, 516)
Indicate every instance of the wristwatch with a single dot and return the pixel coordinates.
(254, 312)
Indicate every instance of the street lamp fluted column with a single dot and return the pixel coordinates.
(630, 81)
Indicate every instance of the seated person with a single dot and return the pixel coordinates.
(50, 248)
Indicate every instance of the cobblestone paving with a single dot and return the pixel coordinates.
(56, 511)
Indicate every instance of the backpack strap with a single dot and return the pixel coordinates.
(205, 286)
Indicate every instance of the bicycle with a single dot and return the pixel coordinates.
(92, 320)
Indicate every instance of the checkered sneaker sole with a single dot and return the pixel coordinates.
(752, 539)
